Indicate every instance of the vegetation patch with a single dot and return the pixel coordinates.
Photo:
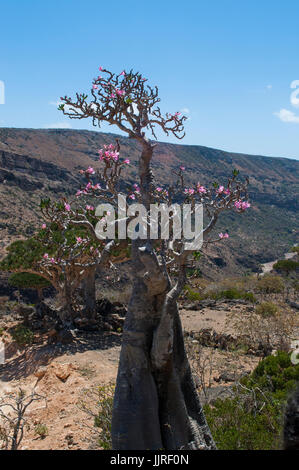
(252, 418)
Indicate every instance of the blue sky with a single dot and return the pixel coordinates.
(229, 64)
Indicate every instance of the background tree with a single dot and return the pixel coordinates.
(29, 281)
(156, 405)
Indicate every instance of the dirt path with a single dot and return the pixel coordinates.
(267, 267)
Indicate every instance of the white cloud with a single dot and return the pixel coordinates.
(58, 125)
(287, 116)
(269, 87)
(55, 103)
(185, 111)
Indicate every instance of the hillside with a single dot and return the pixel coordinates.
(35, 163)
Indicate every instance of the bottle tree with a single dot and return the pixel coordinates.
(156, 405)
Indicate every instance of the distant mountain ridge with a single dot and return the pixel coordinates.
(37, 162)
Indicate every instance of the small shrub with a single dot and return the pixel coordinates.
(41, 430)
(234, 293)
(192, 295)
(252, 418)
(286, 266)
(28, 280)
(104, 417)
(97, 402)
(22, 335)
(266, 309)
(269, 284)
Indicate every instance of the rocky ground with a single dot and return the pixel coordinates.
(65, 376)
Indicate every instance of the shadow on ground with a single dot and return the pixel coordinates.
(41, 355)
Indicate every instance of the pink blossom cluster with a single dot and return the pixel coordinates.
(88, 187)
(223, 190)
(201, 189)
(189, 191)
(242, 205)
(109, 153)
(223, 235)
(162, 191)
(46, 257)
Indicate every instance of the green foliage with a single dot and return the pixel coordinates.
(104, 416)
(295, 249)
(192, 295)
(41, 430)
(22, 335)
(236, 428)
(269, 284)
(230, 294)
(276, 374)
(234, 293)
(286, 266)
(28, 280)
(252, 418)
(267, 309)
(22, 254)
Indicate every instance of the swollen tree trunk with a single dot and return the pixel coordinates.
(156, 405)
(89, 294)
(66, 313)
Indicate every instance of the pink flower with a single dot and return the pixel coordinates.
(220, 189)
(123, 73)
(46, 256)
(127, 161)
(201, 189)
(89, 208)
(95, 87)
(100, 69)
(97, 186)
(242, 205)
(189, 191)
(159, 189)
(52, 260)
(79, 192)
(90, 171)
(67, 207)
(132, 196)
(79, 239)
(223, 235)
(119, 92)
(112, 95)
(44, 226)
(182, 168)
